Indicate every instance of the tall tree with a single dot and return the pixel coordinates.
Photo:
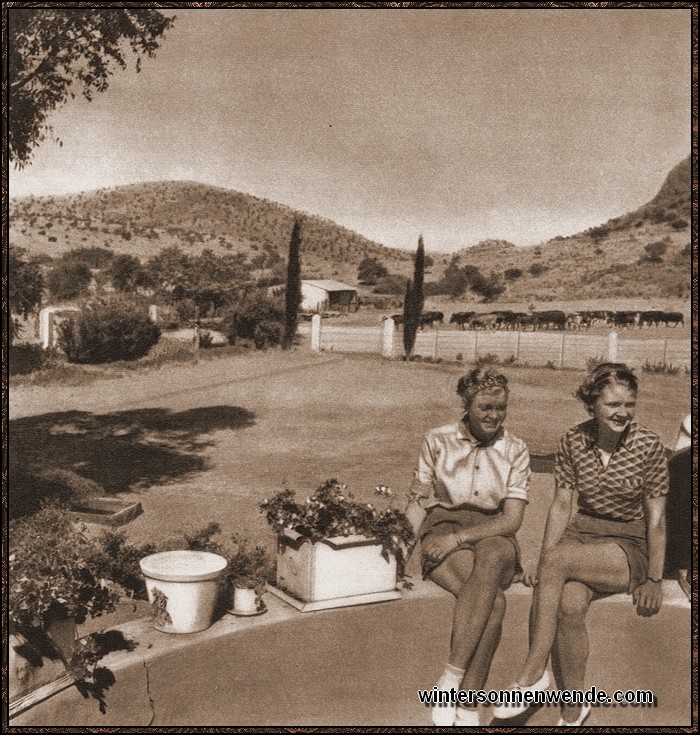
(25, 287)
(50, 49)
(413, 301)
(293, 291)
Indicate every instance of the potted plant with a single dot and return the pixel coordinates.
(249, 569)
(53, 588)
(334, 550)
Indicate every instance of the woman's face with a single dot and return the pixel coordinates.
(487, 412)
(614, 408)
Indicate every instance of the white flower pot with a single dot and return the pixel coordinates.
(182, 588)
(338, 567)
(245, 601)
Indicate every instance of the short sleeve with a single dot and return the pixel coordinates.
(519, 476)
(424, 473)
(564, 473)
(656, 471)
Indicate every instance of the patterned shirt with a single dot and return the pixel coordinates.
(637, 468)
(455, 469)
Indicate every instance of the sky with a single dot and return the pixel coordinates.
(457, 124)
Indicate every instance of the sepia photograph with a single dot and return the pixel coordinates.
(349, 365)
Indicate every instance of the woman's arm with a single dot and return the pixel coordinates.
(649, 595)
(505, 523)
(557, 520)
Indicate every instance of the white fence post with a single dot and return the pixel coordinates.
(316, 332)
(476, 348)
(153, 313)
(435, 347)
(612, 347)
(46, 327)
(388, 337)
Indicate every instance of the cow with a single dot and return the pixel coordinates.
(523, 321)
(462, 318)
(430, 317)
(673, 317)
(484, 321)
(651, 318)
(549, 319)
(625, 318)
(574, 320)
(593, 318)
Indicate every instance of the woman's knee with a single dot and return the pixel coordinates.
(573, 606)
(492, 553)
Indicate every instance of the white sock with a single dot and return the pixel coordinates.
(451, 677)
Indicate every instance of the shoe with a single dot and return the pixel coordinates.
(444, 713)
(508, 709)
(467, 717)
(585, 711)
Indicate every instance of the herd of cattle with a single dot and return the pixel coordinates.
(550, 319)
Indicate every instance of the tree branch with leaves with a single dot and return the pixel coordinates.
(53, 50)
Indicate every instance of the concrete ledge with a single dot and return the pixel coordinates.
(362, 666)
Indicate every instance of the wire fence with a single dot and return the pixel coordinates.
(555, 349)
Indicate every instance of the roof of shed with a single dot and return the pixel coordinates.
(330, 285)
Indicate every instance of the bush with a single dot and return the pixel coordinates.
(654, 251)
(512, 273)
(25, 359)
(537, 269)
(107, 330)
(392, 284)
(679, 224)
(257, 318)
(660, 368)
(68, 280)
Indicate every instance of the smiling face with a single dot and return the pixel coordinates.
(486, 413)
(614, 408)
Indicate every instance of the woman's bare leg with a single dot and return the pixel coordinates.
(571, 646)
(475, 578)
(601, 566)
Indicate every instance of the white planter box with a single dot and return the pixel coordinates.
(346, 568)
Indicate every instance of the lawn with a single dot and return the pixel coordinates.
(208, 441)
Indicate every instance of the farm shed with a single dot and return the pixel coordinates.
(328, 296)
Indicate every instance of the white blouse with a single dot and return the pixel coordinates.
(455, 469)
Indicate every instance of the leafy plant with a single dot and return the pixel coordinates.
(332, 511)
(248, 566)
(50, 575)
(257, 318)
(662, 368)
(108, 330)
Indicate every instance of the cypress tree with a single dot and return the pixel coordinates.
(413, 301)
(293, 291)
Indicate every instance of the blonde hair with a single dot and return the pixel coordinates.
(479, 379)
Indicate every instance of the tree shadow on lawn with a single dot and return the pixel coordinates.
(66, 455)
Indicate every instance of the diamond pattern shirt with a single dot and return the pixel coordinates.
(636, 468)
(455, 469)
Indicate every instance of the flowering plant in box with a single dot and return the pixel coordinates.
(332, 511)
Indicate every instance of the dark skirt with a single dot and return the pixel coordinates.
(441, 520)
(630, 536)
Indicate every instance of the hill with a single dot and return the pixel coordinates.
(606, 261)
(142, 219)
(610, 260)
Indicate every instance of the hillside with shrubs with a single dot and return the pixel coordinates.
(201, 246)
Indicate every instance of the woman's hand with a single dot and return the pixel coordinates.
(530, 575)
(438, 546)
(648, 598)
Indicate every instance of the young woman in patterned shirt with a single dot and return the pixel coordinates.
(615, 542)
(468, 499)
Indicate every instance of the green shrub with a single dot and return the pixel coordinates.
(107, 330)
(661, 368)
(679, 224)
(257, 318)
(68, 280)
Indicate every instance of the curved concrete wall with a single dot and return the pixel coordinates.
(362, 666)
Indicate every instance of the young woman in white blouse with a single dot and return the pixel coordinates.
(468, 499)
